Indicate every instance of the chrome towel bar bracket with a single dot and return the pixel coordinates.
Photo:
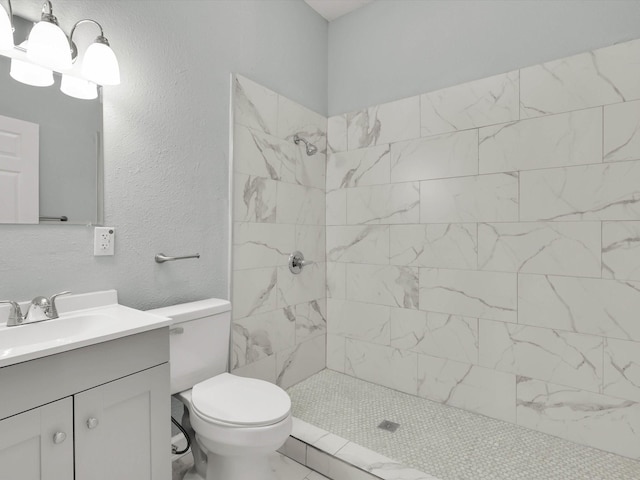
(161, 257)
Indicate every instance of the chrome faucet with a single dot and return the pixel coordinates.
(40, 309)
(15, 314)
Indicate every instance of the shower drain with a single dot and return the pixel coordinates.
(389, 426)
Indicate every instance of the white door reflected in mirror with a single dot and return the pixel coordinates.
(19, 171)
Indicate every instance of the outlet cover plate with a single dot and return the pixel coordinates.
(104, 241)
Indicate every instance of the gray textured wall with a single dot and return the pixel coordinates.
(395, 49)
(167, 142)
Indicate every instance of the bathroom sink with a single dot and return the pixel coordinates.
(75, 328)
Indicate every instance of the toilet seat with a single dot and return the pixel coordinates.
(246, 402)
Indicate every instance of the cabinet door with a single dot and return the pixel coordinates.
(123, 428)
(38, 444)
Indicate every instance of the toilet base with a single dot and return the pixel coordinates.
(238, 467)
(192, 475)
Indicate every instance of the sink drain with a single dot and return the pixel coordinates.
(389, 426)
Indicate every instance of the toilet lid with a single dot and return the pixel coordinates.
(240, 401)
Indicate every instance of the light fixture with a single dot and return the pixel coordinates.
(6, 27)
(99, 64)
(48, 44)
(49, 49)
(29, 73)
(78, 87)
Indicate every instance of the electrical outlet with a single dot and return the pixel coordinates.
(103, 241)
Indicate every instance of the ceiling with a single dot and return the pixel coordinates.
(332, 9)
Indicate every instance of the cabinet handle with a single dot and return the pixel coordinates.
(92, 423)
(59, 437)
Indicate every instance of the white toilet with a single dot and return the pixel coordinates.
(237, 421)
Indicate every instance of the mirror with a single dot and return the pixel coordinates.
(70, 138)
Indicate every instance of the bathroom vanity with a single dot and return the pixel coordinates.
(96, 408)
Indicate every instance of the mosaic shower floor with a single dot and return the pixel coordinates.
(447, 442)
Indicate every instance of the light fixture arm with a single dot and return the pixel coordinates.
(99, 39)
(85, 20)
(48, 16)
(13, 29)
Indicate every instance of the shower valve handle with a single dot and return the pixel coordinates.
(296, 262)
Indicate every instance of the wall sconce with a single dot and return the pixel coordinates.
(49, 49)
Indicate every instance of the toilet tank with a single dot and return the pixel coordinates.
(199, 341)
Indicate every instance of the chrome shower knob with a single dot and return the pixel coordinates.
(296, 262)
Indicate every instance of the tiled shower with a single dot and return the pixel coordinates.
(482, 245)
(279, 329)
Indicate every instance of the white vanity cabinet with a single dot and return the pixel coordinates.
(38, 444)
(94, 413)
(120, 428)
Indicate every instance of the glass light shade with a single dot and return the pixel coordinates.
(78, 87)
(49, 46)
(30, 74)
(100, 65)
(6, 32)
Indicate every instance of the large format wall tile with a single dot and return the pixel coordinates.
(304, 170)
(386, 123)
(397, 203)
(621, 250)
(263, 369)
(300, 362)
(467, 386)
(383, 365)
(555, 141)
(256, 153)
(601, 77)
(358, 168)
(560, 248)
(310, 319)
(261, 244)
(336, 352)
(311, 241)
(474, 104)
(254, 291)
(294, 119)
(262, 335)
(255, 106)
(560, 357)
(607, 308)
(450, 155)
(308, 285)
(593, 192)
(436, 334)
(336, 280)
(337, 134)
(254, 199)
(450, 245)
(383, 285)
(622, 369)
(300, 205)
(360, 321)
(490, 295)
(588, 418)
(622, 132)
(280, 319)
(483, 198)
(336, 207)
(360, 244)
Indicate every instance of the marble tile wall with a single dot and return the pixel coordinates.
(279, 319)
(483, 246)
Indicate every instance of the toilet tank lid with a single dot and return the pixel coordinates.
(193, 310)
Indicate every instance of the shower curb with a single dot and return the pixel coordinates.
(340, 459)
